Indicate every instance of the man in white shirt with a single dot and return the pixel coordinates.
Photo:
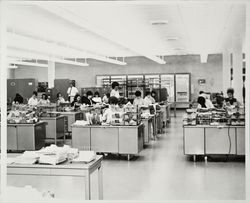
(72, 91)
(115, 92)
(33, 101)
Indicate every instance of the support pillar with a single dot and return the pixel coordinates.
(51, 73)
(237, 82)
(226, 71)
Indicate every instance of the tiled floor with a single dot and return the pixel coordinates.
(160, 172)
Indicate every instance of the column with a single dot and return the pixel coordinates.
(247, 83)
(237, 82)
(51, 73)
(3, 99)
(226, 71)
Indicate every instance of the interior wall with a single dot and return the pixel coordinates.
(85, 76)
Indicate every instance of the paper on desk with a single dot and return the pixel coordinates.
(85, 156)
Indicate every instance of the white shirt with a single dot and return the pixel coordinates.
(72, 91)
(33, 101)
(114, 93)
(97, 99)
(147, 101)
(43, 101)
(138, 102)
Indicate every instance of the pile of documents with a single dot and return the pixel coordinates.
(81, 123)
(85, 156)
(49, 155)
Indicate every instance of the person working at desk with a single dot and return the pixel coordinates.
(60, 98)
(231, 100)
(108, 114)
(77, 101)
(88, 98)
(138, 101)
(148, 100)
(44, 100)
(97, 98)
(115, 90)
(72, 91)
(207, 102)
(33, 101)
(18, 99)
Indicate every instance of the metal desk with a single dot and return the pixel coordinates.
(55, 128)
(71, 116)
(208, 140)
(64, 169)
(109, 139)
(26, 136)
(147, 128)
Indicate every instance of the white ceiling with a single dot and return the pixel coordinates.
(89, 29)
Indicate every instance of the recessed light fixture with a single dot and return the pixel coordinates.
(172, 38)
(159, 22)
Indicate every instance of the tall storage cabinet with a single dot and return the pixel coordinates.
(24, 87)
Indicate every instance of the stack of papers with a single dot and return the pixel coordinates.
(28, 157)
(81, 123)
(85, 156)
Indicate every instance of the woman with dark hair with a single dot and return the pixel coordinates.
(231, 100)
(44, 100)
(105, 98)
(153, 95)
(115, 90)
(77, 101)
(60, 98)
(97, 98)
(107, 116)
(201, 102)
(18, 99)
(148, 100)
(33, 101)
(138, 101)
(88, 99)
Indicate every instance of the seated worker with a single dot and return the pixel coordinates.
(18, 99)
(201, 102)
(97, 99)
(107, 116)
(231, 100)
(33, 101)
(105, 98)
(44, 100)
(153, 95)
(60, 98)
(138, 101)
(115, 90)
(148, 100)
(77, 101)
(88, 98)
(208, 102)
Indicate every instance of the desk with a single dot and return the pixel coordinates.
(147, 122)
(71, 116)
(109, 139)
(26, 136)
(64, 169)
(55, 128)
(208, 140)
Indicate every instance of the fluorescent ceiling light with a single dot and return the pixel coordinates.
(159, 22)
(25, 63)
(172, 38)
(76, 63)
